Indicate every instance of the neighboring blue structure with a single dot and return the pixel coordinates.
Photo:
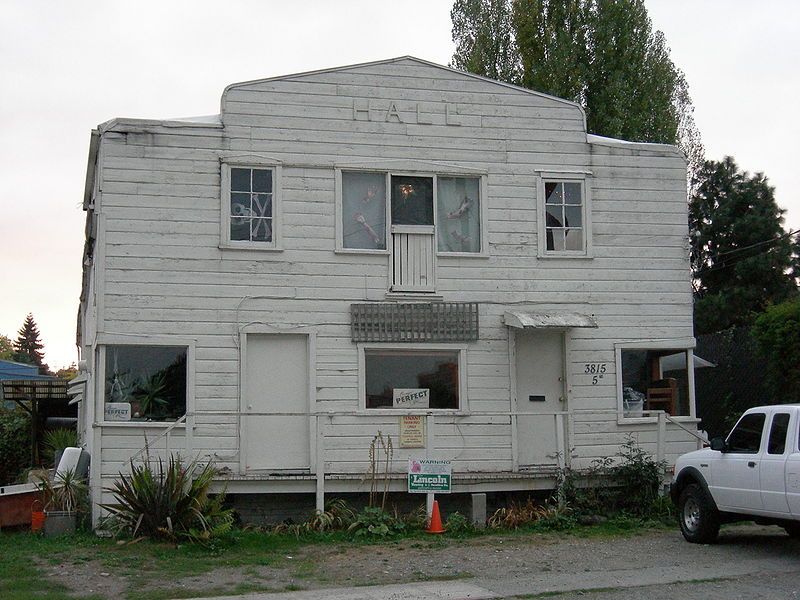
(15, 370)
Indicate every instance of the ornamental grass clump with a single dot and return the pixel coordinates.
(169, 502)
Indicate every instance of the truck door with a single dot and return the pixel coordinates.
(735, 475)
(793, 467)
(773, 465)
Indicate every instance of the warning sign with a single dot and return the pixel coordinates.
(426, 475)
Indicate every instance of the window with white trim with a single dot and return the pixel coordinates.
(654, 379)
(412, 379)
(144, 382)
(370, 203)
(563, 217)
(249, 206)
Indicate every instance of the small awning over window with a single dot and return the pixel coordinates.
(554, 320)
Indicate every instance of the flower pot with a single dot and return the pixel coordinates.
(59, 522)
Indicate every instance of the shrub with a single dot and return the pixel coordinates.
(55, 440)
(337, 516)
(458, 525)
(777, 332)
(15, 444)
(171, 502)
(66, 492)
(374, 522)
(631, 485)
(517, 515)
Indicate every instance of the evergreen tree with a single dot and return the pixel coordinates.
(484, 37)
(741, 255)
(28, 347)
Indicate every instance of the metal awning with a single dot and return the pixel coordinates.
(554, 320)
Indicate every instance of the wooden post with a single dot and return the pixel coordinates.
(320, 464)
(662, 435)
(561, 451)
(429, 453)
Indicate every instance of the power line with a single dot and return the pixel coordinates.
(771, 241)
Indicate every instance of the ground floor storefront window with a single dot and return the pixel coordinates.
(412, 379)
(655, 379)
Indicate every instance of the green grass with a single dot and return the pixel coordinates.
(153, 570)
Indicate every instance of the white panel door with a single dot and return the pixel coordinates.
(275, 420)
(539, 394)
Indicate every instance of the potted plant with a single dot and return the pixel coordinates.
(149, 394)
(62, 498)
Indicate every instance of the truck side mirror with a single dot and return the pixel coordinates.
(719, 444)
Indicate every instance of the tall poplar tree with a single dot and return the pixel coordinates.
(484, 36)
(741, 255)
(602, 54)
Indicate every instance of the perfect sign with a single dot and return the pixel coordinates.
(427, 476)
(411, 397)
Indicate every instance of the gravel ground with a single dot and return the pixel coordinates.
(748, 562)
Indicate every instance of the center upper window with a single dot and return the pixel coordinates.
(371, 204)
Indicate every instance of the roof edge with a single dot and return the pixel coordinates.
(600, 140)
(397, 59)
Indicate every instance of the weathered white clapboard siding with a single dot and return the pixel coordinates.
(164, 273)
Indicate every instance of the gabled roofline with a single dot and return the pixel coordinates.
(397, 59)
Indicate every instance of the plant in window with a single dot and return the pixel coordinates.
(149, 395)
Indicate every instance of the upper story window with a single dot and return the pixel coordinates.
(363, 211)
(372, 206)
(563, 216)
(249, 206)
(458, 214)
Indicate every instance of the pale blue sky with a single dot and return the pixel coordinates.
(67, 66)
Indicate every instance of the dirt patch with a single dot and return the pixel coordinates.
(85, 578)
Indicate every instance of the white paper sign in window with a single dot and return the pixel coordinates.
(458, 214)
(364, 211)
(411, 397)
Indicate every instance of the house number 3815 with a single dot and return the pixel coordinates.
(596, 370)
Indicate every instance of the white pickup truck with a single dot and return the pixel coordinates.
(752, 475)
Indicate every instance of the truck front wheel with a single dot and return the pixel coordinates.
(698, 515)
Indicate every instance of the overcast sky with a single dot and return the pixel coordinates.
(67, 66)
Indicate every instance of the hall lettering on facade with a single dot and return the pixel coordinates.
(415, 113)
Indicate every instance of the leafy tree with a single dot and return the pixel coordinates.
(68, 373)
(741, 255)
(602, 54)
(484, 37)
(28, 347)
(551, 40)
(6, 348)
(777, 332)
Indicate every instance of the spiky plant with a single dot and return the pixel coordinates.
(171, 502)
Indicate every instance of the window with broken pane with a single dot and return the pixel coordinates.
(564, 222)
(251, 215)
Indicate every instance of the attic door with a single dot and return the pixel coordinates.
(413, 257)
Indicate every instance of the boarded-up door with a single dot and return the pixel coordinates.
(275, 423)
(540, 392)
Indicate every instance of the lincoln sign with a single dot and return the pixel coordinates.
(426, 476)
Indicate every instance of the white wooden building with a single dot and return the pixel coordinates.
(260, 285)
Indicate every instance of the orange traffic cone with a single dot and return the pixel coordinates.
(435, 526)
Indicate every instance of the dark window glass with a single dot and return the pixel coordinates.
(777, 433)
(390, 370)
(151, 379)
(251, 205)
(655, 380)
(412, 200)
(563, 216)
(746, 436)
